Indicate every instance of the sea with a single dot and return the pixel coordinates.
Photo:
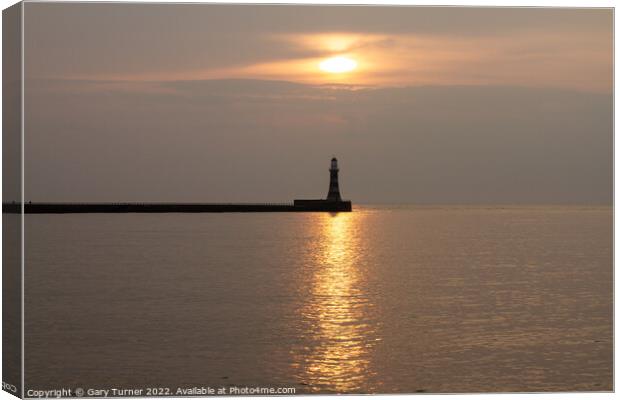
(385, 299)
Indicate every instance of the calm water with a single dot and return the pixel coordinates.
(381, 300)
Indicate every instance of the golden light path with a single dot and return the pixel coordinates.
(338, 65)
(338, 310)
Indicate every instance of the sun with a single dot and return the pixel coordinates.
(338, 65)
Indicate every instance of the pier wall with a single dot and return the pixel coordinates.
(71, 208)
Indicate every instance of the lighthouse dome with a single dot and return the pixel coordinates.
(334, 163)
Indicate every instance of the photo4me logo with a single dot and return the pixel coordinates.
(245, 390)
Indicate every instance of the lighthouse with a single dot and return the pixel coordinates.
(333, 202)
(334, 190)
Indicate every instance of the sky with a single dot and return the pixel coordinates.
(221, 103)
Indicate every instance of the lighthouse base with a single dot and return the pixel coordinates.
(323, 205)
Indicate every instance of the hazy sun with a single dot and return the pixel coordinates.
(338, 65)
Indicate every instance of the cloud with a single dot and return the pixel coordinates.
(394, 46)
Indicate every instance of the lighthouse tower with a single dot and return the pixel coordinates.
(333, 203)
(334, 189)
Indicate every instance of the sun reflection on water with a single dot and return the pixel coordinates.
(337, 310)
